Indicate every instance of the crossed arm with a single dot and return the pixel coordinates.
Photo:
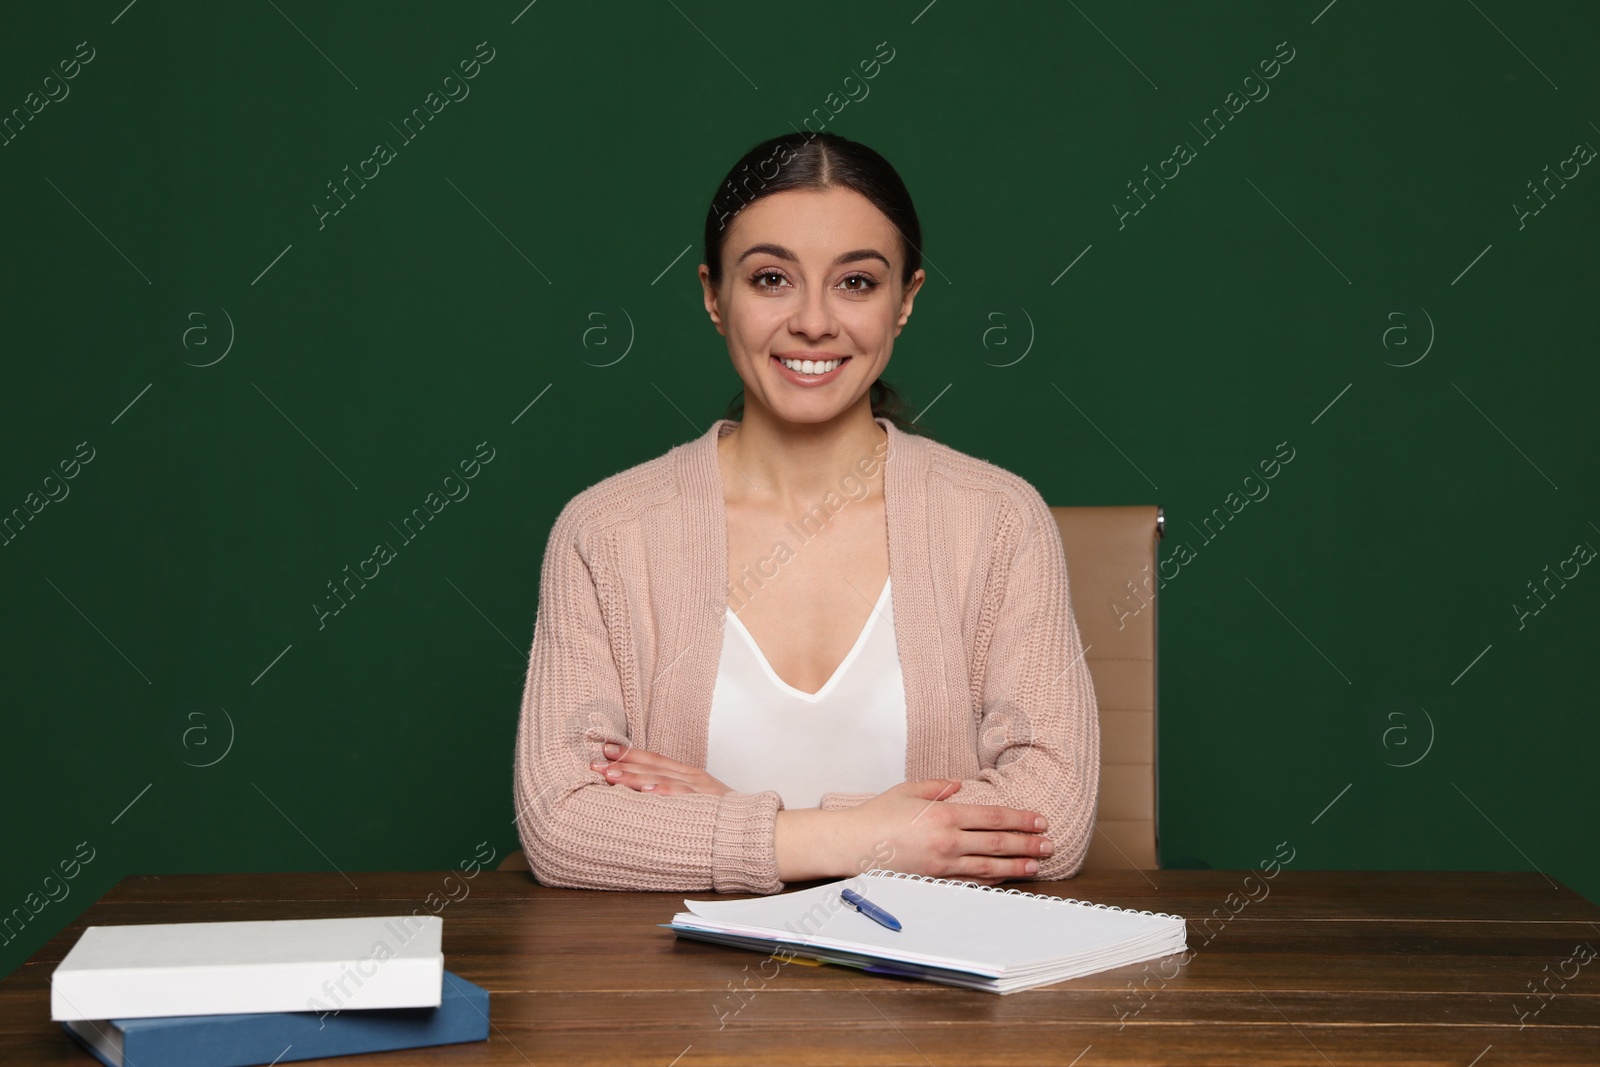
(910, 827)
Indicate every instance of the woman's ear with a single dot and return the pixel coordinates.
(907, 298)
(713, 303)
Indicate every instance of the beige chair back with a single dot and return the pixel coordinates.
(1111, 566)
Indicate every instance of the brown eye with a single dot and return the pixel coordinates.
(866, 286)
(756, 280)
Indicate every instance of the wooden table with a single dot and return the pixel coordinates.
(1338, 968)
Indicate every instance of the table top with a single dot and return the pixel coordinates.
(1307, 967)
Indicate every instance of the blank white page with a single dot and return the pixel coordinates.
(944, 923)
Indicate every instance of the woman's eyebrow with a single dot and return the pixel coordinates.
(781, 252)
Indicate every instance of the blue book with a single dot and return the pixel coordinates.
(268, 1037)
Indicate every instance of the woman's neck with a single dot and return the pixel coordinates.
(787, 465)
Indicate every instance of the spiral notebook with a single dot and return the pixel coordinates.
(957, 933)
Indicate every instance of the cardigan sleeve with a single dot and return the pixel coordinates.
(1038, 732)
(579, 830)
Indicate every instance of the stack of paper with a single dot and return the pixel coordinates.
(231, 994)
(957, 933)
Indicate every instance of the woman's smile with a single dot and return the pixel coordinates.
(807, 369)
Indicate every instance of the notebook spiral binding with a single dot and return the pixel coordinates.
(1014, 892)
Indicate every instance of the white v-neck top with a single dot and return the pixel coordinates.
(849, 736)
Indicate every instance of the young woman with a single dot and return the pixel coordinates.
(813, 641)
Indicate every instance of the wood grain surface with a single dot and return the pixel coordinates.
(1376, 967)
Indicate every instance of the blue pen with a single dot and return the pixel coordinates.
(869, 909)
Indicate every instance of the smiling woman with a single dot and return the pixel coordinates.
(912, 695)
(862, 179)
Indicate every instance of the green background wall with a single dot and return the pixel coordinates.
(1342, 268)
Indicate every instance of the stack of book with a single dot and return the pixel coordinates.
(236, 994)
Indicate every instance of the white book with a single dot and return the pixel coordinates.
(958, 933)
(220, 968)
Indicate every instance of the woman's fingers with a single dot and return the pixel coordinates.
(647, 782)
(622, 764)
(994, 868)
(631, 763)
(996, 817)
(645, 759)
(974, 816)
(985, 843)
(636, 774)
(657, 775)
(667, 787)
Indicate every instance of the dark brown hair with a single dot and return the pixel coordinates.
(818, 161)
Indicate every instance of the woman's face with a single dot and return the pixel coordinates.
(810, 275)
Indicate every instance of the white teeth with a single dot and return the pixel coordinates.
(806, 366)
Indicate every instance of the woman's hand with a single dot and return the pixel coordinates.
(912, 828)
(651, 772)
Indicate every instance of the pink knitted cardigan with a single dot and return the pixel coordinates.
(633, 596)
